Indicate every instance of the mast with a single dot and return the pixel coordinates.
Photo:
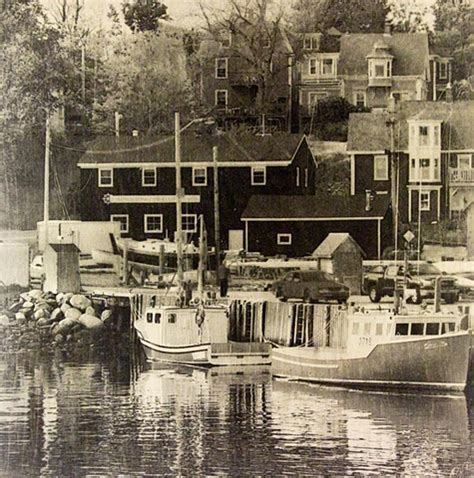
(46, 183)
(202, 254)
(179, 192)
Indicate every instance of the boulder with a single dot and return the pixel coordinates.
(67, 296)
(43, 323)
(15, 307)
(91, 311)
(65, 306)
(73, 314)
(106, 315)
(64, 326)
(91, 322)
(60, 298)
(25, 296)
(41, 304)
(57, 314)
(20, 318)
(28, 304)
(35, 294)
(42, 314)
(4, 320)
(80, 302)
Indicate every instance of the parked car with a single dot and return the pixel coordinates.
(420, 278)
(310, 286)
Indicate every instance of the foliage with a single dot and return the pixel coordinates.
(334, 175)
(252, 23)
(408, 16)
(144, 15)
(33, 73)
(354, 16)
(145, 79)
(454, 32)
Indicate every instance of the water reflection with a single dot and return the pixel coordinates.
(104, 415)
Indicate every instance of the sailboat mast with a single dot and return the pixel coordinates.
(179, 192)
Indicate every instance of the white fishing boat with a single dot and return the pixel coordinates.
(192, 332)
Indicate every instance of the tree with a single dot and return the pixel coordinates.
(145, 79)
(258, 43)
(454, 32)
(408, 16)
(32, 74)
(353, 16)
(144, 15)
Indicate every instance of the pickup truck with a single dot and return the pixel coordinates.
(382, 281)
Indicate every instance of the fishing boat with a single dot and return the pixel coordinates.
(193, 331)
(387, 349)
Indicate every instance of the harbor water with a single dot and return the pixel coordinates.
(106, 413)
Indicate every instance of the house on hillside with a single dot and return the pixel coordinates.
(368, 69)
(132, 180)
(433, 147)
(229, 82)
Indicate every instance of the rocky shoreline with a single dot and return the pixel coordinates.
(43, 320)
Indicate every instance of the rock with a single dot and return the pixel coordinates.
(68, 296)
(28, 304)
(64, 326)
(20, 318)
(43, 323)
(35, 294)
(28, 312)
(15, 307)
(90, 322)
(80, 302)
(25, 296)
(42, 314)
(72, 313)
(57, 314)
(91, 311)
(106, 315)
(41, 304)
(60, 298)
(4, 320)
(58, 339)
(65, 306)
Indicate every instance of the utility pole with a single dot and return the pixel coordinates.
(46, 183)
(117, 117)
(179, 228)
(217, 225)
(394, 183)
(83, 74)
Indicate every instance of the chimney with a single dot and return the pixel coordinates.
(387, 28)
(449, 93)
(368, 199)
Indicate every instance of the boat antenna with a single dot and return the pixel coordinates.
(179, 226)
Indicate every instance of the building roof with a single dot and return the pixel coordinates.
(410, 51)
(371, 132)
(318, 207)
(232, 147)
(331, 244)
(62, 247)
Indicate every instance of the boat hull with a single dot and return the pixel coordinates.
(209, 355)
(440, 363)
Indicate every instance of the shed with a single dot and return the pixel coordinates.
(339, 254)
(61, 267)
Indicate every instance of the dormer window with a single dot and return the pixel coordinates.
(380, 68)
(380, 65)
(310, 42)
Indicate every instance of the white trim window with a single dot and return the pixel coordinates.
(123, 220)
(306, 177)
(424, 169)
(284, 239)
(106, 177)
(423, 135)
(443, 70)
(298, 179)
(425, 200)
(312, 66)
(379, 68)
(360, 99)
(148, 177)
(310, 42)
(328, 67)
(259, 176)
(221, 68)
(381, 167)
(221, 98)
(189, 222)
(199, 176)
(464, 161)
(153, 222)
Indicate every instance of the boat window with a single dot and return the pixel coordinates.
(417, 329)
(367, 328)
(401, 329)
(355, 328)
(432, 328)
(378, 329)
(149, 317)
(448, 327)
(172, 318)
(157, 318)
